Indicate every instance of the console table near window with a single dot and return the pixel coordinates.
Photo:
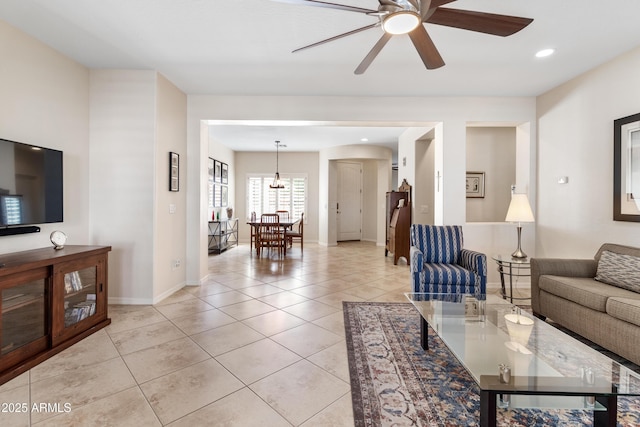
(223, 234)
(512, 267)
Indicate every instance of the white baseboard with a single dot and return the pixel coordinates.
(145, 301)
(168, 292)
(200, 282)
(129, 301)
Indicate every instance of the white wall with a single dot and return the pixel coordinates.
(415, 163)
(122, 167)
(45, 102)
(424, 189)
(491, 150)
(169, 228)
(370, 190)
(575, 139)
(137, 117)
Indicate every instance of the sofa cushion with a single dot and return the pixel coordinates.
(583, 290)
(624, 309)
(619, 270)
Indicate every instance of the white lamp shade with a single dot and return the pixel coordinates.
(519, 209)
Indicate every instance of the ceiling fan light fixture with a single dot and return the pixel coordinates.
(400, 22)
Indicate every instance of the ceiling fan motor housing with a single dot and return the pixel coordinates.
(391, 6)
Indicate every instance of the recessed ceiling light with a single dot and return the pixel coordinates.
(364, 139)
(544, 53)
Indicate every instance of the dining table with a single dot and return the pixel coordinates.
(284, 224)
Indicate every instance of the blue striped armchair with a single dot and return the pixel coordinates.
(439, 264)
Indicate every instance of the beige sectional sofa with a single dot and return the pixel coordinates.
(605, 311)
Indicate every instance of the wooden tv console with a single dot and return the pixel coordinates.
(49, 300)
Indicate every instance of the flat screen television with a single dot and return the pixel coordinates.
(30, 185)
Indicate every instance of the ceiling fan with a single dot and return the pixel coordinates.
(407, 16)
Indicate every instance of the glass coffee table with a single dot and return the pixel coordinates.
(519, 361)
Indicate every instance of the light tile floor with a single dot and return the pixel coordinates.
(261, 343)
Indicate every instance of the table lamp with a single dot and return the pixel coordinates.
(519, 211)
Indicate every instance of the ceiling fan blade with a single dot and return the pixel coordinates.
(328, 5)
(339, 36)
(488, 23)
(438, 3)
(428, 7)
(426, 49)
(425, 5)
(373, 53)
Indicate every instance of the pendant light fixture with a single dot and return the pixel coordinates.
(277, 184)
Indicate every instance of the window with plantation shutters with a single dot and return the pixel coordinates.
(262, 199)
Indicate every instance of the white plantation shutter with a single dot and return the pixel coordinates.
(262, 199)
(284, 196)
(298, 196)
(254, 195)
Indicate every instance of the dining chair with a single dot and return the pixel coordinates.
(290, 235)
(284, 215)
(270, 234)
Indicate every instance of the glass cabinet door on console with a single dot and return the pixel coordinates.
(23, 315)
(78, 288)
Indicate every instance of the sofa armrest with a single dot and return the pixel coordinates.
(557, 267)
(416, 260)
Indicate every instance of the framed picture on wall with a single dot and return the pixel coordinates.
(217, 171)
(626, 168)
(224, 196)
(210, 181)
(217, 196)
(174, 171)
(225, 173)
(475, 184)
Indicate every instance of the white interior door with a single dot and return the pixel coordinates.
(349, 212)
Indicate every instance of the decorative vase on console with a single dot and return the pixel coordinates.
(229, 213)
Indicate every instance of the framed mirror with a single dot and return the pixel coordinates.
(626, 168)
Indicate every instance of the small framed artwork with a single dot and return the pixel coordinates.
(210, 181)
(475, 184)
(225, 173)
(174, 171)
(217, 171)
(224, 196)
(217, 195)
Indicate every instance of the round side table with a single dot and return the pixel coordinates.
(512, 267)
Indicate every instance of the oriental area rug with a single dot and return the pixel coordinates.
(394, 382)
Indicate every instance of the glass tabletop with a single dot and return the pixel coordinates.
(508, 259)
(542, 359)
